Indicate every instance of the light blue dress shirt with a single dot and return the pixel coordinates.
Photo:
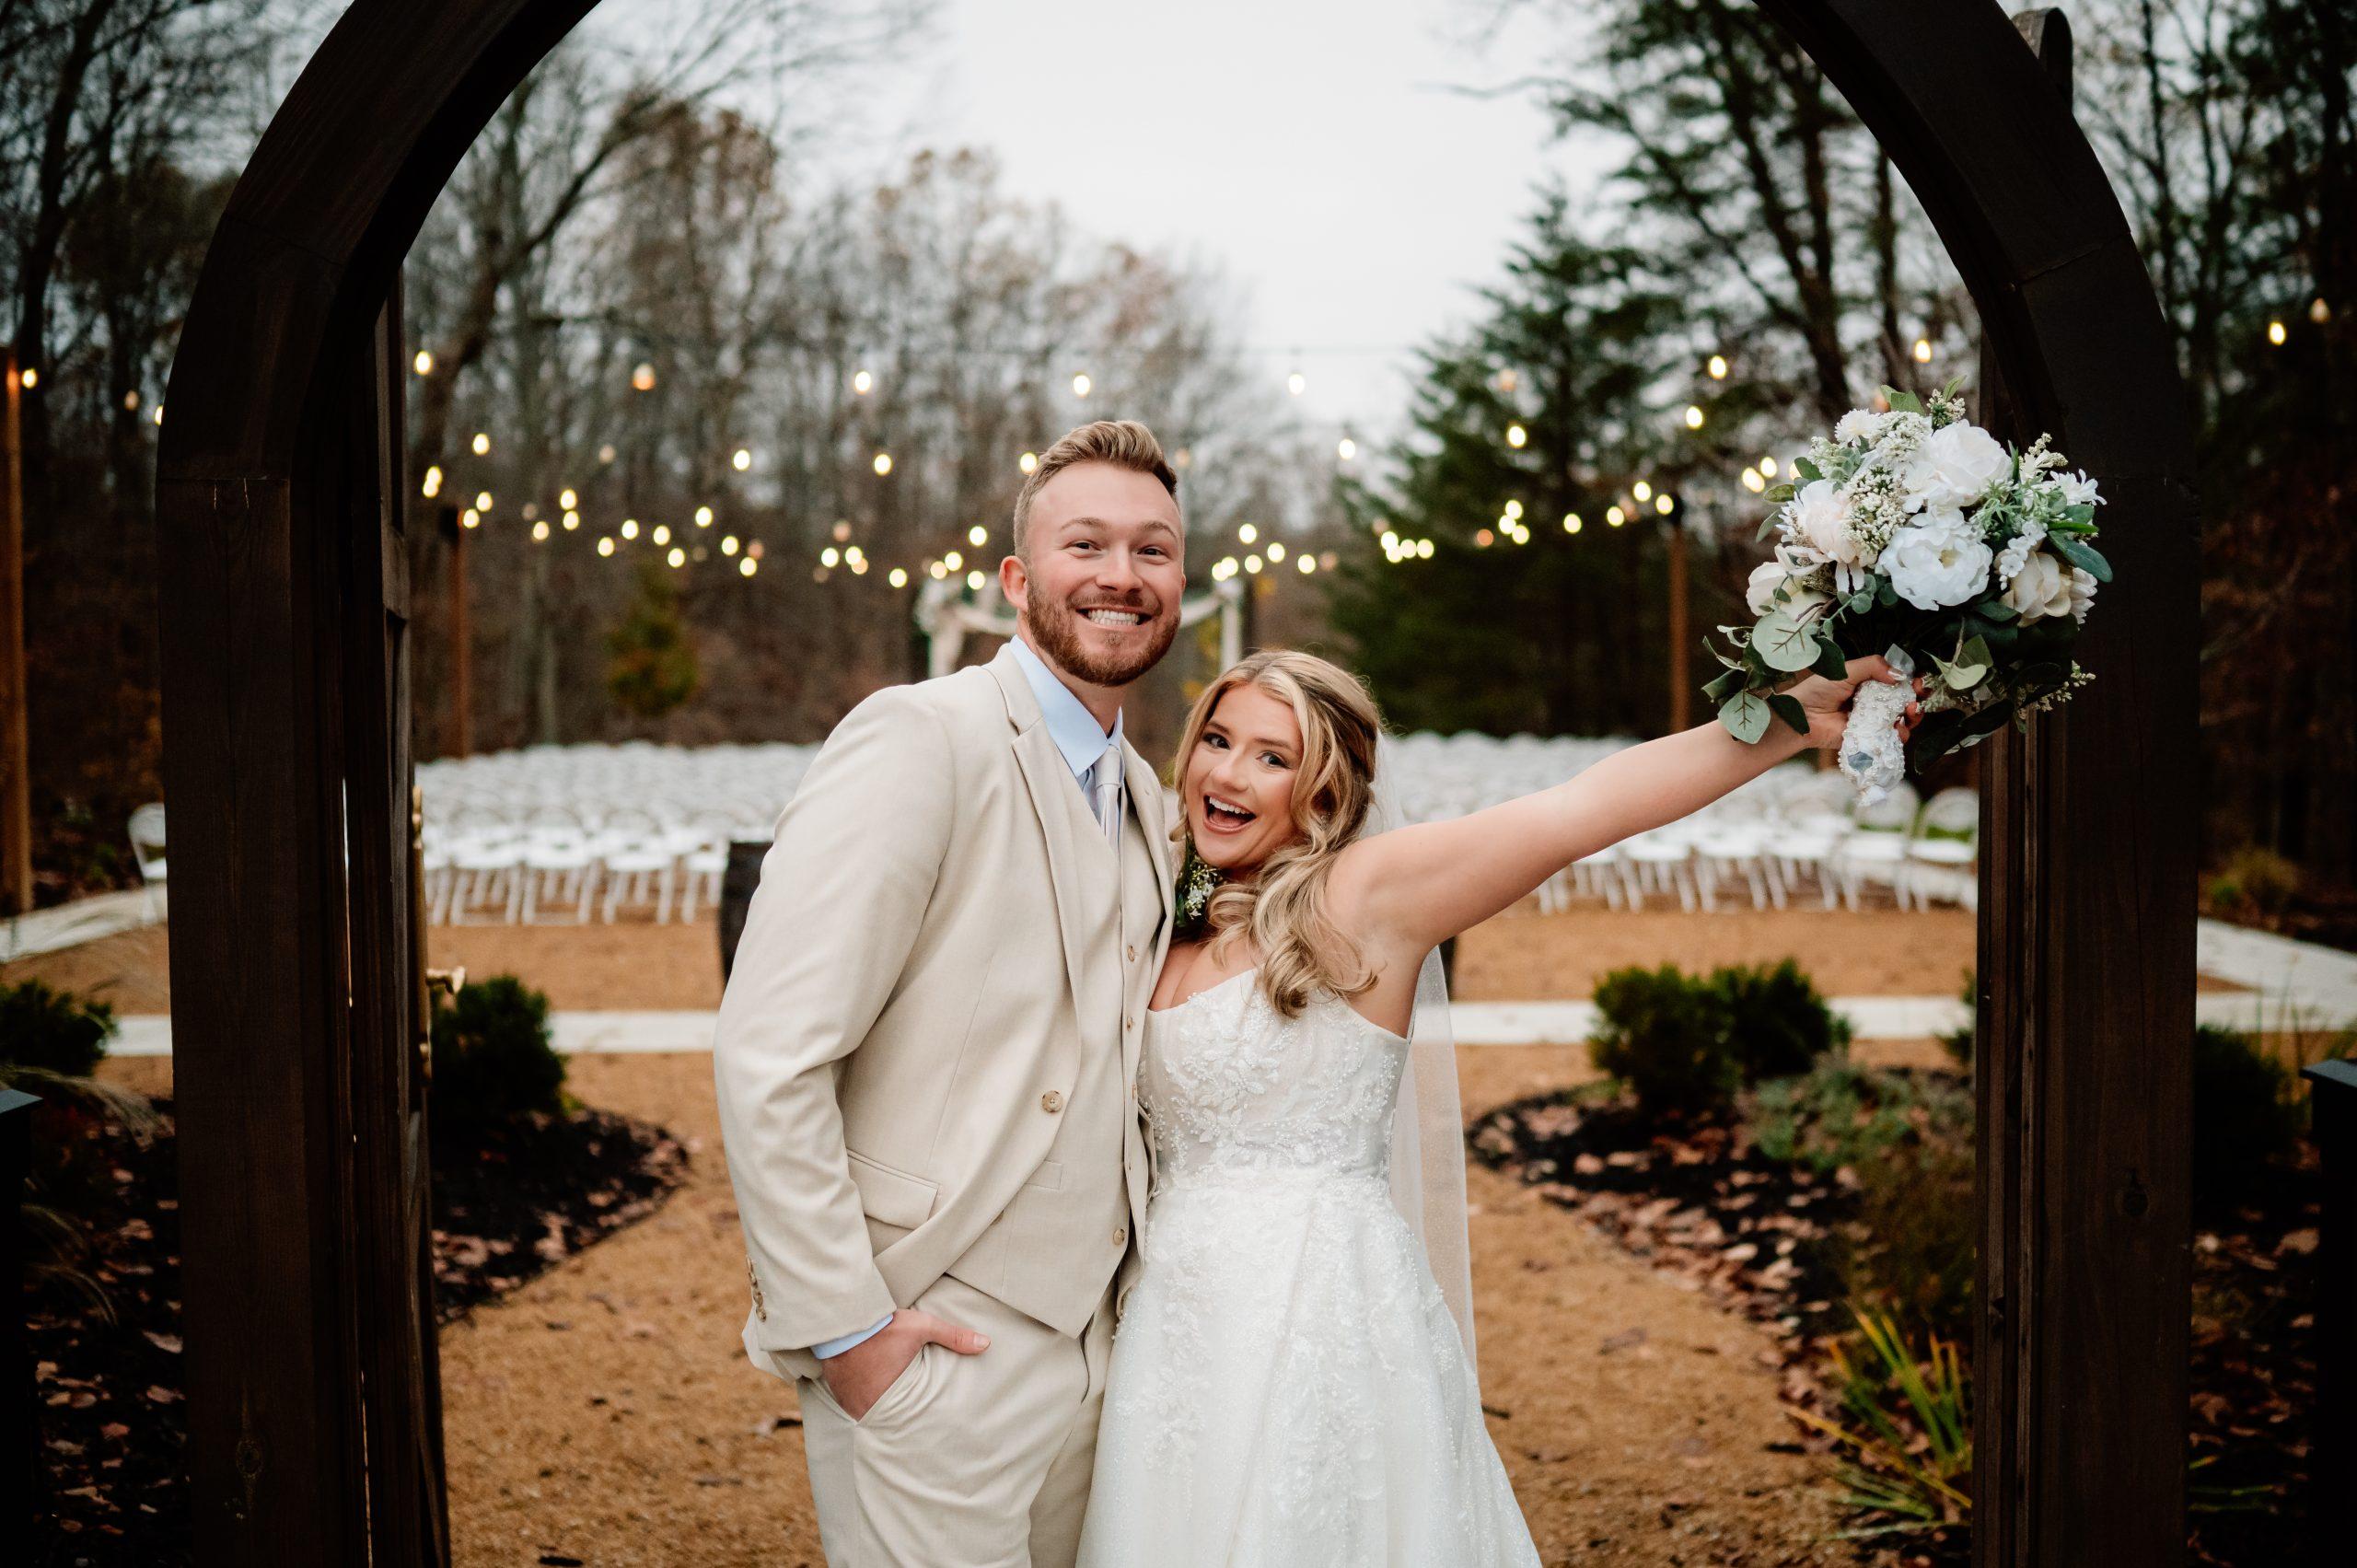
(1082, 741)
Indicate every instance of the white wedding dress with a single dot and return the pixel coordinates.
(1288, 1388)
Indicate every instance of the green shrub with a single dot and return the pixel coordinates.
(53, 1031)
(1686, 1044)
(1907, 1421)
(1665, 1036)
(493, 1062)
(2256, 878)
(2244, 1117)
(1839, 1114)
(1922, 1231)
(1778, 1024)
(1959, 1045)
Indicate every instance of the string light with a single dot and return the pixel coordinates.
(1571, 522)
(1614, 516)
(703, 516)
(482, 501)
(1247, 533)
(471, 518)
(862, 383)
(567, 500)
(1296, 383)
(662, 534)
(829, 556)
(1513, 509)
(642, 378)
(937, 571)
(606, 453)
(1641, 490)
(955, 560)
(974, 581)
(728, 545)
(1752, 481)
(1517, 436)
(883, 463)
(899, 578)
(677, 558)
(1253, 563)
(1307, 564)
(630, 528)
(1276, 550)
(1027, 461)
(1080, 385)
(159, 413)
(572, 521)
(1663, 505)
(1718, 367)
(1768, 467)
(754, 550)
(1922, 351)
(1483, 539)
(856, 558)
(745, 567)
(29, 378)
(1423, 550)
(605, 544)
(131, 400)
(2276, 335)
(742, 460)
(976, 535)
(1693, 416)
(540, 532)
(481, 444)
(432, 486)
(423, 363)
(2319, 312)
(842, 530)
(1346, 448)
(859, 566)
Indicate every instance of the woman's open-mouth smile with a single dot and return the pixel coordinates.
(1225, 817)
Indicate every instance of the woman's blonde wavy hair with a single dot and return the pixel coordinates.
(1281, 910)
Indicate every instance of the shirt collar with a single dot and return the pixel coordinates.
(1070, 724)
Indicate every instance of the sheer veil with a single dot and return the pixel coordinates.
(1428, 1122)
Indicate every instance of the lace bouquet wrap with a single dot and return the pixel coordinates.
(1915, 534)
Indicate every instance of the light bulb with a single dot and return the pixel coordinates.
(423, 361)
(883, 462)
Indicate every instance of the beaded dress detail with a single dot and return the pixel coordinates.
(1288, 1388)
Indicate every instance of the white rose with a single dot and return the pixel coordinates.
(2041, 589)
(1858, 424)
(1820, 517)
(1766, 579)
(1955, 467)
(1937, 562)
(2082, 592)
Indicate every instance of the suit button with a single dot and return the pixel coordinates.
(1134, 952)
(1131, 1022)
(1121, 1236)
(1051, 1102)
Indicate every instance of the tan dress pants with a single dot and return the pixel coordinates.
(979, 1462)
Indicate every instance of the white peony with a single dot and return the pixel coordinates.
(1937, 562)
(1820, 519)
(1858, 424)
(2082, 592)
(1956, 465)
(2041, 589)
(1766, 579)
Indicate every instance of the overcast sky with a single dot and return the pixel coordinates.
(1320, 153)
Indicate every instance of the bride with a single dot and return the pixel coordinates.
(1288, 1385)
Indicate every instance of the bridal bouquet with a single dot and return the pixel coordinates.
(1917, 534)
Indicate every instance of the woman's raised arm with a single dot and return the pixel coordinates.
(1403, 891)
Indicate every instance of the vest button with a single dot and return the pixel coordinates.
(1051, 1102)
(1134, 952)
(1121, 1236)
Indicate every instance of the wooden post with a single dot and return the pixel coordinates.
(19, 1409)
(2332, 1476)
(462, 683)
(1681, 698)
(16, 755)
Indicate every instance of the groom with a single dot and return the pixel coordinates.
(925, 1050)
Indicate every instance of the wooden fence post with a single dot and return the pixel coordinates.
(2332, 1475)
(16, 775)
(19, 1408)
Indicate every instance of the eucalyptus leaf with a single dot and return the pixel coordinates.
(1829, 662)
(1779, 494)
(1746, 716)
(1995, 610)
(1902, 402)
(1883, 593)
(2078, 552)
(1726, 683)
(1783, 643)
(1807, 468)
(1789, 709)
(1859, 602)
(1766, 524)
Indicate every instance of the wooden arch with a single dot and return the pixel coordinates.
(314, 1418)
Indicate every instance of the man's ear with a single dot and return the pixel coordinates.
(1015, 582)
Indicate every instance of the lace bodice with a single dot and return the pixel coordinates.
(1232, 1087)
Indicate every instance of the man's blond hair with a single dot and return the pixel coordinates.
(1124, 443)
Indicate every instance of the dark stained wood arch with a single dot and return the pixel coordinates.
(286, 722)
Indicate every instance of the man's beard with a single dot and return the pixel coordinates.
(1056, 626)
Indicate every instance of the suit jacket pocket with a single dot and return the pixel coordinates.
(893, 1196)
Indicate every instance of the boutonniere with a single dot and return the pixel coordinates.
(1197, 880)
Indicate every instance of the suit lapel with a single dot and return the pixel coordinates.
(1145, 799)
(1044, 773)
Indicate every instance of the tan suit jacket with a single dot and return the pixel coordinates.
(902, 1026)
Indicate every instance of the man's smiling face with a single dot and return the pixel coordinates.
(1099, 584)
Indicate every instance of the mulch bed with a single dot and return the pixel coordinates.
(113, 1425)
(1763, 1237)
